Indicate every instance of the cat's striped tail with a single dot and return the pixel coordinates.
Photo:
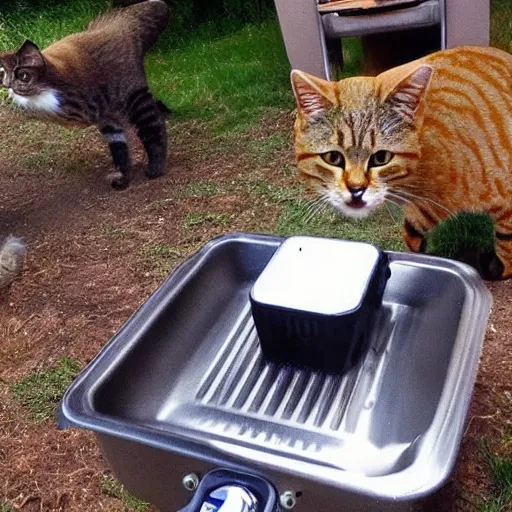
(148, 19)
(12, 256)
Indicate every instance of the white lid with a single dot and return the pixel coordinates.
(317, 275)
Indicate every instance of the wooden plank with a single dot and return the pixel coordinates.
(350, 5)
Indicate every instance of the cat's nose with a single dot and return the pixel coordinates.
(357, 193)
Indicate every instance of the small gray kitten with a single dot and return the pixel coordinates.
(12, 256)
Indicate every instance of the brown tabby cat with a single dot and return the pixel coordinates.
(97, 77)
(434, 134)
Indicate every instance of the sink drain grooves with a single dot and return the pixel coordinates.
(239, 380)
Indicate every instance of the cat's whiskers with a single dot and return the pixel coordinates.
(387, 200)
(428, 199)
(318, 209)
(312, 205)
(401, 200)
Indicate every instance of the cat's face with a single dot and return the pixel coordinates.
(357, 139)
(23, 72)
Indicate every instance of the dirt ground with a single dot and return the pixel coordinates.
(94, 255)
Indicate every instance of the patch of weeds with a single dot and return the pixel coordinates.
(110, 487)
(201, 189)
(41, 392)
(6, 507)
(160, 259)
(196, 219)
(41, 159)
(161, 250)
(462, 232)
(384, 228)
(272, 192)
(501, 24)
(115, 232)
(501, 472)
(288, 171)
(264, 149)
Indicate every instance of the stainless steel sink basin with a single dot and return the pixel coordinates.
(183, 388)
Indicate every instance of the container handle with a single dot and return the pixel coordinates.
(223, 490)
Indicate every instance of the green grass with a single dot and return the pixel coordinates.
(264, 190)
(501, 472)
(41, 392)
(462, 232)
(158, 251)
(160, 259)
(6, 507)
(209, 80)
(263, 150)
(383, 229)
(501, 24)
(45, 23)
(214, 219)
(201, 189)
(110, 487)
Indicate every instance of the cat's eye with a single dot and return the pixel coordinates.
(24, 76)
(380, 158)
(334, 158)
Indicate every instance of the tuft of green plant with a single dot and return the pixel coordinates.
(216, 219)
(110, 487)
(41, 392)
(501, 472)
(462, 234)
(6, 507)
(201, 189)
(501, 24)
(300, 217)
(160, 259)
(274, 193)
(264, 149)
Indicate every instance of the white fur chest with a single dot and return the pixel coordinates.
(46, 102)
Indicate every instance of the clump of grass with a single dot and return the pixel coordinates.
(6, 507)
(382, 229)
(501, 24)
(110, 487)
(215, 219)
(501, 472)
(162, 250)
(201, 189)
(274, 193)
(461, 233)
(41, 392)
(160, 259)
(263, 150)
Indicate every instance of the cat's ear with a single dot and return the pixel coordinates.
(312, 94)
(29, 55)
(406, 98)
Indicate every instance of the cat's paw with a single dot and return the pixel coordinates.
(491, 267)
(155, 173)
(119, 181)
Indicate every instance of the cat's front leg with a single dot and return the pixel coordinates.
(500, 267)
(418, 221)
(414, 238)
(118, 145)
(146, 115)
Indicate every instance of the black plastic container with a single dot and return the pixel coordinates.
(314, 302)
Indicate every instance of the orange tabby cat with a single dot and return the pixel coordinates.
(434, 134)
